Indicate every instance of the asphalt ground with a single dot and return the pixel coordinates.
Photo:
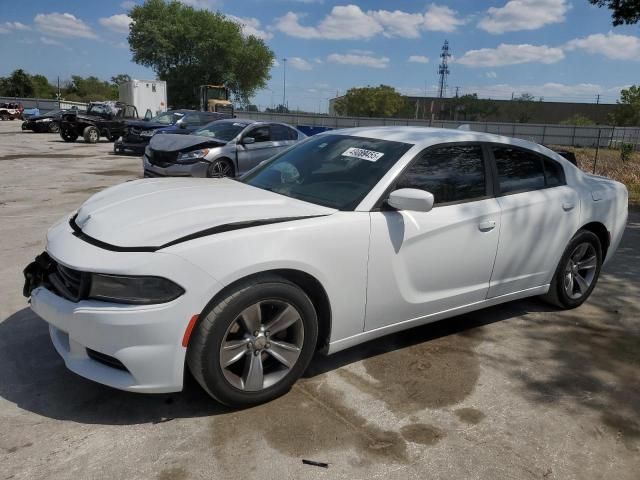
(516, 391)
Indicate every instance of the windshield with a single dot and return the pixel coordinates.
(167, 118)
(335, 171)
(99, 109)
(223, 131)
(217, 93)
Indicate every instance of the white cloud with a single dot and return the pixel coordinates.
(418, 59)
(343, 22)
(8, 26)
(203, 4)
(351, 22)
(275, 63)
(398, 23)
(491, 75)
(49, 41)
(524, 15)
(4, 30)
(128, 4)
(440, 18)
(506, 54)
(118, 23)
(299, 63)
(611, 45)
(360, 60)
(251, 26)
(63, 25)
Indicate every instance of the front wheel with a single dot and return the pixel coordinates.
(53, 127)
(254, 343)
(577, 273)
(91, 134)
(220, 168)
(68, 135)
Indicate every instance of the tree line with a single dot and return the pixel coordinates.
(76, 89)
(385, 101)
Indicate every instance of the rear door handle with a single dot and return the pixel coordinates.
(566, 206)
(487, 226)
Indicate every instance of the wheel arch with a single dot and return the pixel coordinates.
(309, 284)
(600, 231)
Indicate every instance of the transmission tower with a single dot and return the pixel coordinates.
(443, 69)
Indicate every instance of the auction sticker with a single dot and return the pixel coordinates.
(362, 154)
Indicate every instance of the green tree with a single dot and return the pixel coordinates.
(382, 101)
(187, 47)
(470, 107)
(120, 78)
(622, 11)
(41, 87)
(522, 109)
(89, 89)
(18, 84)
(577, 119)
(627, 112)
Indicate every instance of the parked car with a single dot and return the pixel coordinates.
(348, 236)
(11, 111)
(48, 122)
(225, 148)
(105, 119)
(137, 133)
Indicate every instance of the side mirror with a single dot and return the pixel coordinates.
(148, 115)
(411, 199)
(248, 140)
(183, 125)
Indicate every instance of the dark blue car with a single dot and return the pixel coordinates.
(137, 133)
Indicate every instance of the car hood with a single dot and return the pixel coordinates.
(156, 212)
(42, 117)
(171, 142)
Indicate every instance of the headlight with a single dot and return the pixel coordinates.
(193, 156)
(133, 290)
(147, 151)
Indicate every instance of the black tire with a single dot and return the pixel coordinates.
(4, 117)
(221, 168)
(68, 135)
(204, 350)
(560, 284)
(91, 134)
(53, 127)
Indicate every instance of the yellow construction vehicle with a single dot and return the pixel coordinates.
(215, 98)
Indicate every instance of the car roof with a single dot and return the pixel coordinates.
(427, 136)
(244, 121)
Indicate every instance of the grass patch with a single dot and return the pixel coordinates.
(610, 165)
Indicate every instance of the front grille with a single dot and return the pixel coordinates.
(106, 360)
(69, 283)
(162, 159)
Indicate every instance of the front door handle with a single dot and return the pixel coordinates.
(567, 206)
(487, 226)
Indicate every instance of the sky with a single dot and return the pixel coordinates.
(556, 49)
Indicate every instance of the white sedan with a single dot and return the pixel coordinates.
(345, 237)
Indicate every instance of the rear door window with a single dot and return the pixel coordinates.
(261, 134)
(518, 170)
(553, 173)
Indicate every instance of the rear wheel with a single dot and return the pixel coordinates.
(4, 116)
(68, 135)
(578, 271)
(91, 134)
(220, 168)
(255, 343)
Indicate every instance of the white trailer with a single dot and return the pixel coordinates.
(148, 96)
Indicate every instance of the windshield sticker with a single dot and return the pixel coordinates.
(362, 154)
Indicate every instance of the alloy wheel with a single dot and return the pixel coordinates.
(262, 345)
(580, 270)
(220, 169)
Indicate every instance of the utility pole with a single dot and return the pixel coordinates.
(598, 99)
(443, 69)
(284, 82)
(457, 91)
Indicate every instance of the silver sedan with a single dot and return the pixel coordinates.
(224, 148)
